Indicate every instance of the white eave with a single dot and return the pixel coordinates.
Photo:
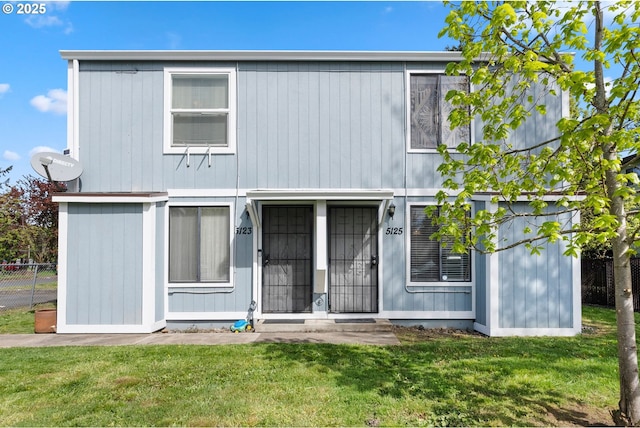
(267, 55)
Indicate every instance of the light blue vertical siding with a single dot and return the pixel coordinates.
(301, 125)
(104, 275)
(534, 291)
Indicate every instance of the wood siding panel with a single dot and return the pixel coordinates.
(105, 275)
(535, 291)
(320, 125)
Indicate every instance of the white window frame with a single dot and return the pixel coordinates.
(408, 74)
(410, 283)
(168, 147)
(208, 284)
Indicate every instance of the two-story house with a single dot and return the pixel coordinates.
(297, 180)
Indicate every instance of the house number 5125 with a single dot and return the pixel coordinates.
(394, 231)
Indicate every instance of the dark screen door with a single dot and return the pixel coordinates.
(353, 259)
(287, 259)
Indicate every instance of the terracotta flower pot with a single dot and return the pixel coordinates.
(46, 320)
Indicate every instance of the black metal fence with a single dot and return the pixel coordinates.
(598, 286)
(26, 285)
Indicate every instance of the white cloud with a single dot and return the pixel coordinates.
(10, 156)
(57, 4)
(4, 88)
(40, 149)
(40, 21)
(55, 101)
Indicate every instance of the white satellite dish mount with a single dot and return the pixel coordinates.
(55, 166)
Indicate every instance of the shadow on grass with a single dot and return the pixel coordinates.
(472, 380)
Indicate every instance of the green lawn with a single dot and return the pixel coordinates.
(431, 379)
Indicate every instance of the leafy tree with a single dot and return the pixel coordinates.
(40, 228)
(10, 219)
(533, 45)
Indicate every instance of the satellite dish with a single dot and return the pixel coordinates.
(56, 167)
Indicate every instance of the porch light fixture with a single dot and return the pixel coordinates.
(392, 210)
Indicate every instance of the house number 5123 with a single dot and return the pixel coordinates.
(243, 230)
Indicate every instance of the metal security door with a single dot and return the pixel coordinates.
(287, 258)
(353, 259)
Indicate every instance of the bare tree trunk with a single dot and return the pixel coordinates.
(629, 405)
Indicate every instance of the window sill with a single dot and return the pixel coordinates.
(199, 151)
(200, 285)
(439, 284)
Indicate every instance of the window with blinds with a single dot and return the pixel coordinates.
(431, 260)
(429, 111)
(200, 110)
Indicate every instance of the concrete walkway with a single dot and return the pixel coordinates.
(338, 337)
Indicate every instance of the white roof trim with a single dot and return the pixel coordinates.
(320, 194)
(267, 55)
(111, 198)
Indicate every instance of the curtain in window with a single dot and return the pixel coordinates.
(451, 138)
(199, 248)
(430, 111)
(214, 244)
(424, 111)
(183, 234)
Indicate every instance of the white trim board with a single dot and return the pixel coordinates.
(111, 328)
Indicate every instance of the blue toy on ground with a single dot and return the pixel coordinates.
(246, 324)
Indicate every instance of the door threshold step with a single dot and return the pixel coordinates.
(369, 325)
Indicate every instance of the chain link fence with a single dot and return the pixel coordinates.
(26, 285)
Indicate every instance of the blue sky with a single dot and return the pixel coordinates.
(33, 77)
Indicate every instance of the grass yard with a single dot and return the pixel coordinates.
(433, 379)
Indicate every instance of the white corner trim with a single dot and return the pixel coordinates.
(73, 97)
(576, 274)
(148, 263)
(63, 260)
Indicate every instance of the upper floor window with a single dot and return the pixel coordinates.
(429, 260)
(200, 110)
(429, 111)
